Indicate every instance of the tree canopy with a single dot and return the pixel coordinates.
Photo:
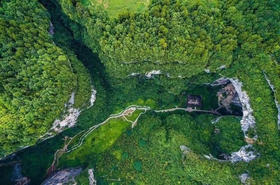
(189, 42)
(36, 78)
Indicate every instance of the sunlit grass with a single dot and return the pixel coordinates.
(115, 7)
(100, 139)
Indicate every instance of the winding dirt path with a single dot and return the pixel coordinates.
(129, 110)
(126, 112)
(188, 110)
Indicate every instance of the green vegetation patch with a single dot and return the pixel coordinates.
(182, 39)
(84, 87)
(115, 7)
(100, 140)
(36, 78)
(228, 136)
(152, 155)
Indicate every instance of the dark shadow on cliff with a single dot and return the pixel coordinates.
(36, 159)
(64, 37)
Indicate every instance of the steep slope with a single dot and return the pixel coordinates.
(36, 76)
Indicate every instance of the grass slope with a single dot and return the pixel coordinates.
(115, 7)
(99, 140)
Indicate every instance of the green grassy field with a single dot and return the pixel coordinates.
(115, 7)
(103, 138)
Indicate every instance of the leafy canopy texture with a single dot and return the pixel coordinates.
(181, 38)
(35, 75)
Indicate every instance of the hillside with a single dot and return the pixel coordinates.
(140, 92)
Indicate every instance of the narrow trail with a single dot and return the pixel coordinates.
(188, 110)
(123, 114)
(129, 110)
(59, 153)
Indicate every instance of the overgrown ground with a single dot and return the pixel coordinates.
(115, 7)
(150, 153)
(112, 97)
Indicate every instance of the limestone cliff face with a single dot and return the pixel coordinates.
(248, 120)
(247, 152)
(91, 178)
(275, 100)
(66, 176)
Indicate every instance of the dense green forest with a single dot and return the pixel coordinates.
(187, 43)
(181, 38)
(36, 76)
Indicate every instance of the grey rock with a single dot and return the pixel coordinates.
(63, 177)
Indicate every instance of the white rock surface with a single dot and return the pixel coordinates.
(70, 117)
(207, 70)
(72, 99)
(66, 176)
(246, 154)
(185, 149)
(244, 177)
(92, 97)
(275, 100)
(151, 73)
(68, 120)
(216, 120)
(91, 177)
(51, 29)
(211, 157)
(248, 120)
(220, 81)
(134, 74)
(222, 67)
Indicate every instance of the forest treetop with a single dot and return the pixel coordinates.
(36, 76)
(181, 38)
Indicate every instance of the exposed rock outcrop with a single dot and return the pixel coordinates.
(244, 178)
(91, 178)
(51, 29)
(228, 96)
(92, 97)
(185, 149)
(149, 74)
(248, 121)
(70, 117)
(216, 120)
(152, 73)
(275, 100)
(66, 176)
(247, 152)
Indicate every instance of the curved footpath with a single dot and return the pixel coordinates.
(127, 111)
